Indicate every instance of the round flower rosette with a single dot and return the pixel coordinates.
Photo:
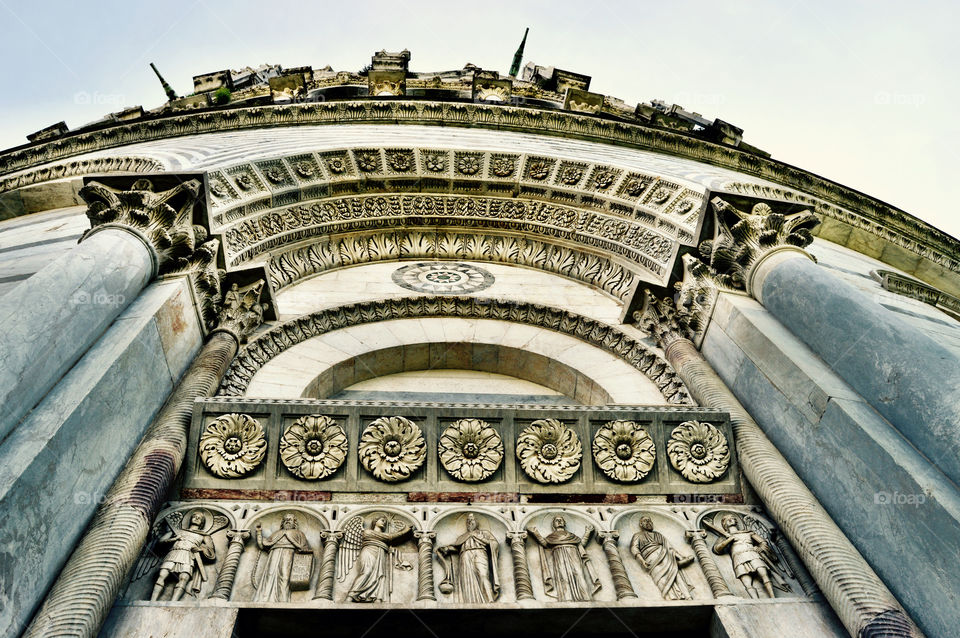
(699, 451)
(313, 447)
(549, 451)
(624, 451)
(233, 445)
(470, 450)
(392, 448)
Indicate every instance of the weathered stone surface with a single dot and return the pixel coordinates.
(796, 620)
(861, 469)
(169, 622)
(70, 447)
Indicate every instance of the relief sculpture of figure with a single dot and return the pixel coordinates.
(273, 582)
(749, 552)
(568, 573)
(190, 545)
(662, 561)
(374, 552)
(473, 575)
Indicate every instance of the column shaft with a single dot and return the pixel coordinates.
(425, 589)
(231, 561)
(82, 595)
(621, 582)
(52, 318)
(328, 565)
(521, 573)
(718, 586)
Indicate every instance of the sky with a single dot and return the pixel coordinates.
(860, 92)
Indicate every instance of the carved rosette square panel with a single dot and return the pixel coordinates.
(468, 164)
(245, 179)
(339, 165)
(571, 174)
(276, 174)
(401, 161)
(538, 169)
(603, 178)
(634, 186)
(221, 189)
(435, 162)
(504, 165)
(659, 194)
(368, 161)
(305, 168)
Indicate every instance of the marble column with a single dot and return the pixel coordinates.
(82, 595)
(718, 586)
(328, 564)
(231, 561)
(621, 582)
(425, 589)
(521, 573)
(862, 601)
(53, 317)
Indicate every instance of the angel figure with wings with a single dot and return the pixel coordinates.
(191, 544)
(754, 560)
(374, 553)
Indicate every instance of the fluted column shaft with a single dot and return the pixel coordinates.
(621, 582)
(328, 564)
(231, 561)
(425, 589)
(862, 602)
(82, 595)
(49, 320)
(907, 376)
(718, 586)
(521, 573)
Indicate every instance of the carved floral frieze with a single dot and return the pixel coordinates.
(313, 447)
(470, 449)
(699, 451)
(624, 451)
(549, 451)
(392, 448)
(233, 445)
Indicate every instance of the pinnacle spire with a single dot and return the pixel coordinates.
(518, 56)
(171, 94)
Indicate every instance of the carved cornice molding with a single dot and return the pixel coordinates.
(164, 220)
(910, 232)
(242, 312)
(910, 287)
(333, 252)
(744, 240)
(284, 336)
(117, 164)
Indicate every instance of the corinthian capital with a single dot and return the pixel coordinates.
(659, 319)
(164, 220)
(744, 240)
(242, 312)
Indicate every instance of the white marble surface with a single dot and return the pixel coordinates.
(452, 382)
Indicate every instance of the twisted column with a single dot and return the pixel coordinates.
(621, 582)
(425, 565)
(328, 564)
(799, 571)
(228, 573)
(82, 595)
(521, 573)
(718, 586)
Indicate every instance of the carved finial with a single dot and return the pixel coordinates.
(744, 239)
(242, 311)
(163, 220)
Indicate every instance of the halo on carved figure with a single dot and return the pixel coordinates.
(699, 451)
(313, 447)
(624, 451)
(549, 451)
(233, 445)
(470, 450)
(442, 278)
(392, 448)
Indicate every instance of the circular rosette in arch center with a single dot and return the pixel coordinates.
(699, 451)
(392, 448)
(549, 451)
(233, 445)
(624, 451)
(470, 449)
(313, 447)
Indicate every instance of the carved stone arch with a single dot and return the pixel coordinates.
(614, 340)
(547, 514)
(284, 507)
(364, 512)
(619, 519)
(459, 512)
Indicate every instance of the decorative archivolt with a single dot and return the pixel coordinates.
(284, 336)
(119, 164)
(329, 253)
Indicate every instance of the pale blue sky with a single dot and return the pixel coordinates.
(859, 92)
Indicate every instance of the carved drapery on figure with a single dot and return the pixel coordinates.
(372, 551)
(288, 564)
(568, 573)
(661, 561)
(471, 565)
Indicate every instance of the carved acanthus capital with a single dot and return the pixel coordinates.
(659, 318)
(201, 270)
(744, 240)
(242, 312)
(164, 220)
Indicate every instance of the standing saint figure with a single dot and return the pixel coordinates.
(190, 546)
(747, 550)
(661, 561)
(474, 576)
(373, 552)
(568, 574)
(273, 583)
